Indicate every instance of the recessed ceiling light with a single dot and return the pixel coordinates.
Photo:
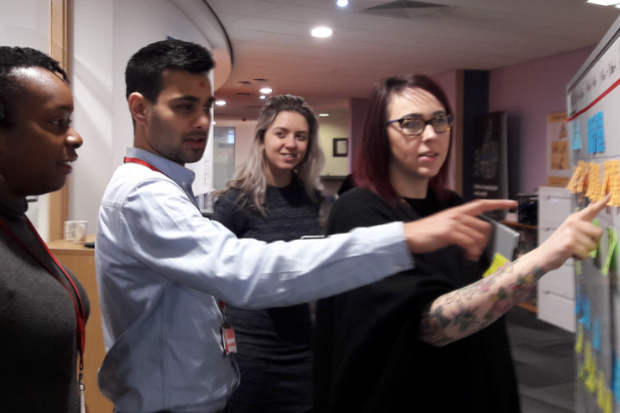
(220, 102)
(266, 90)
(342, 3)
(263, 96)
(214, 122)
(604, 2)
(323, 114)
(321, 32)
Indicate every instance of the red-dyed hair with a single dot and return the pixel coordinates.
(372, 164)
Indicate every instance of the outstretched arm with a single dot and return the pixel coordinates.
(463, 312)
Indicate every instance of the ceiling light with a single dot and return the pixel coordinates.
(323, 114)
(214, 122)
(220, 102)
(321, 32)
(604, 2)
(266, 90)
(263, 96)
(342, 3)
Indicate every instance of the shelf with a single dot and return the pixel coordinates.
(513, 224)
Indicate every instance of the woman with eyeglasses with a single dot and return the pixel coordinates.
(275, 196)
(431, 338)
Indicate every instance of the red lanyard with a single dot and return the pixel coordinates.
(127, 159)
(80, 315)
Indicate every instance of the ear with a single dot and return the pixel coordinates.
(138, 106)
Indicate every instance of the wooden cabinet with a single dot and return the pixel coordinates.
(81, 261)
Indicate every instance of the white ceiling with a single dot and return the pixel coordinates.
(271, 40)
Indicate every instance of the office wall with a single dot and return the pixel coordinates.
(333, 126)
(244, 136)
(107, 33)
(449, 84)
(528, 92)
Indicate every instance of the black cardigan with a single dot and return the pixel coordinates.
(368, 357)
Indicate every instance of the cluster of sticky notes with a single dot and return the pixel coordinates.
(596, 134)
(576, 133)
(582, 307)
(587, 179)
(594, 252)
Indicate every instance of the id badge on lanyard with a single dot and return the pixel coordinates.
(229, 342)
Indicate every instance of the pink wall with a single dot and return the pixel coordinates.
(447, 81)
(528, 92)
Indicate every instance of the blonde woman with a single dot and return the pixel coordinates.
(274, 196)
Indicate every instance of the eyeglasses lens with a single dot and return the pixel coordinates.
(415, 126)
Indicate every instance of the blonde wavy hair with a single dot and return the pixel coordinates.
(249, 176)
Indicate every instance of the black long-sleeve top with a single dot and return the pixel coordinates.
(368, 355)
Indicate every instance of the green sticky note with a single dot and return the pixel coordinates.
(498, 261)
(595, 251)
(612, 242)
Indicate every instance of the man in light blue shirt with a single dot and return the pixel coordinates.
(162, 267)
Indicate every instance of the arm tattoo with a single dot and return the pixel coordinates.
(478, 305)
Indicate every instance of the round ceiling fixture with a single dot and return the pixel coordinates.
(323, 114)
(342, 3)
(321, 32)
(266, 90)
(262, 97)
(220, 102)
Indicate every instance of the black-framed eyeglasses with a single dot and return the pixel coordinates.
(413, 125)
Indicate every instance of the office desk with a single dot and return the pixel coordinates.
(81, 261)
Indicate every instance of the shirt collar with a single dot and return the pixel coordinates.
(179, 174)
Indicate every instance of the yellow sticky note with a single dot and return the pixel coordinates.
(498, 261)
(579, 339)
(573, 184)
(600, 389)
(577, 267)
(608, 405)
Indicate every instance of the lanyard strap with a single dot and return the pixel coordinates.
(128, 159)
(80, 314)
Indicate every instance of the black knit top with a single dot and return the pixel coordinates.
(38, 350)
(274, 345)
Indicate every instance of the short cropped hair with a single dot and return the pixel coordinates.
(12, 58)
(372, 163)
(145, 68)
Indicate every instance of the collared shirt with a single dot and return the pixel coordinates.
(162, 267)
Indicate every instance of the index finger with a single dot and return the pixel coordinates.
(483, 205)
(593, 209)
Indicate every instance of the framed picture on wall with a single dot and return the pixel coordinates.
(341, 147)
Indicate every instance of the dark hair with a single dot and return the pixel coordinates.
(144, 69)
(371, 168)
(17, 57)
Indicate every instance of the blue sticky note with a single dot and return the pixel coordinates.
(592, 135)
(596, 334)
(615, 381)
(585, 319)
(576, 133)
(578, 302)
(600, 133)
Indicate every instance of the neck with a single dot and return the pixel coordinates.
(140, 142)
(407, 184)
(11, 200)
(278, 178)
